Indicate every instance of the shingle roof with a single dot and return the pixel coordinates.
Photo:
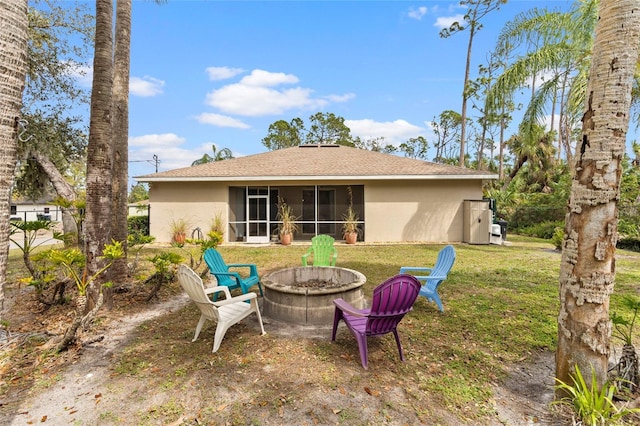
(318, 162)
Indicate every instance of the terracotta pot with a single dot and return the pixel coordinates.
(351, 237)
(285, 239)
(179, 238)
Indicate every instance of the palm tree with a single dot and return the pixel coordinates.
(557, 47)
(587, 268)
(121, 65)
(13, 38)
(223, 154)
(99, 214)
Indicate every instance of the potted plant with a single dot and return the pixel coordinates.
(178, 231)
(288, 225)
(350, 228)
(350, 220)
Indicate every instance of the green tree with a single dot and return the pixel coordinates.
(447, 131)
(328, 128)
(218, 155)
(13, 57)
(374, 144)
(138, 193)
(535, 149)
(587, 268)
(476, 11)
(324, 128)
(415, 148)
(284, 135)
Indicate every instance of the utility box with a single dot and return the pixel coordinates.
(477, 221)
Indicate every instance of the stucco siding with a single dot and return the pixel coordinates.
(394, 210)
(418, 210)
(195, 202)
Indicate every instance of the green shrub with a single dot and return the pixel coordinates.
(138, 225)
(632, 244)
(557, 238)
(541, 230)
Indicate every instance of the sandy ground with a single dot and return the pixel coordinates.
(80, 394)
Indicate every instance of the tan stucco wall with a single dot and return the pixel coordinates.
(395, 211)
(428, 211)
(196, 202)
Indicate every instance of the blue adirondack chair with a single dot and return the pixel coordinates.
(435, 276)
(391, 301)
(232, 279)
(322, 251)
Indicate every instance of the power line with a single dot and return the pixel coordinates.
(155, 161)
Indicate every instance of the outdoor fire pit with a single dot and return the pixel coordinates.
(304, 295)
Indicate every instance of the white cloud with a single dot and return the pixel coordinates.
(556, 122)
(146, 86)
(221, 120)
(262, 93)
(83, 74)
(166, 147)
(155, 140)
(417, 13)
(263, 78)
(340, 98)
(393, 132)
(258, 101)
(223, 73)
(446, 21)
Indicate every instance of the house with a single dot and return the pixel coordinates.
(30, 210)
(397, 199)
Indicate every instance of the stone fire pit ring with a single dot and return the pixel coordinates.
(304, 295)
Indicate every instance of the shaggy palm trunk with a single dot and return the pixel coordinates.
(13, 66)
(587, 270)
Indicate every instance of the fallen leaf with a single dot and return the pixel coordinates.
(98, 395)
(336, 411)
(222, 407)
(43, 419)
(371, 392)
(73, 412)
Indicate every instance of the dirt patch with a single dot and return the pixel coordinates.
(286, 377)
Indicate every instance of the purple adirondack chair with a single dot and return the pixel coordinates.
(391, 301)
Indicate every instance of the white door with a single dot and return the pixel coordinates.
(258, 218)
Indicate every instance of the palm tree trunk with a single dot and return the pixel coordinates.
(120, 139)
(98, 214)
(13, 57)
(587, 269)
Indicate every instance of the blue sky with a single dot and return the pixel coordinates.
(220, 72)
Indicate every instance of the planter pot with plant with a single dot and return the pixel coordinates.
(350, 229)
(350, 219)
(179, 229)
(288, 225)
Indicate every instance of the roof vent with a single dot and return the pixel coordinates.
(319, 145)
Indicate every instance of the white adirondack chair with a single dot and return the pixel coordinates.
(226, 312)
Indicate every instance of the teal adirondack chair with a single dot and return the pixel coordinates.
(322, 250)
(436, 275)
(232, 279)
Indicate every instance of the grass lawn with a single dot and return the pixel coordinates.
(501, 304)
